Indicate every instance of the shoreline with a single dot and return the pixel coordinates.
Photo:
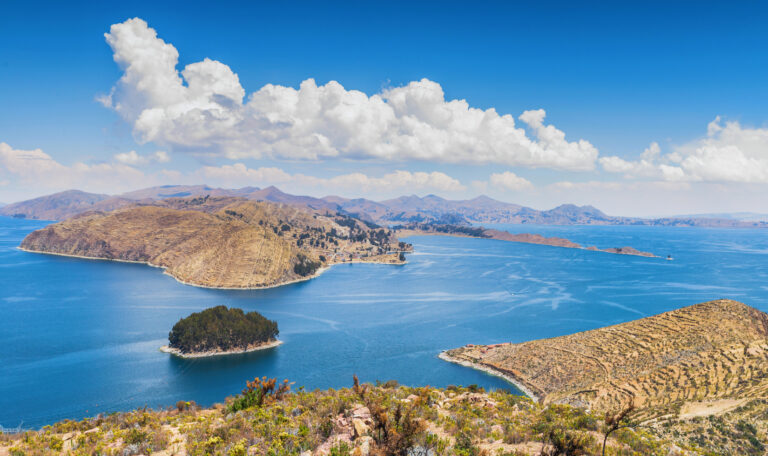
(491, 371)
(176, 352)
(317, 273)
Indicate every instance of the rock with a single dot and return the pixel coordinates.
(420, 451)
(364, 449)
(360, 429)
(361, 412)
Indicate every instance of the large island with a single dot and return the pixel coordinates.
(222, 242)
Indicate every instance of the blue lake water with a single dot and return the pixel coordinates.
(81, 337)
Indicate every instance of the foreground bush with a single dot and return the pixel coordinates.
(268, 418)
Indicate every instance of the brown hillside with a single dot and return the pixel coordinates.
(220, 242)
(711, 351)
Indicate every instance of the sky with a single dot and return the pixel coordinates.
(638, 108)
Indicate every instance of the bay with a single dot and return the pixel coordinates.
(81, 337)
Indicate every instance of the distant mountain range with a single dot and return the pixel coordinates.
(405, 209)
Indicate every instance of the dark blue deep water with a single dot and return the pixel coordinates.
(80, 337)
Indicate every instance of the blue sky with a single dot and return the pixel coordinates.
(619, 77)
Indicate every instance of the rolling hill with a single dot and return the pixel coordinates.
(221, 242)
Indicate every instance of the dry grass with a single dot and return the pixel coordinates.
(367, 419)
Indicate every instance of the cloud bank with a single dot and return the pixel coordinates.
(204, 109)
(36, 169)
(133, 158)
(728, 153)
(398, 181)
(33, 172)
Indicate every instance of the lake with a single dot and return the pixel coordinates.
(81, 337)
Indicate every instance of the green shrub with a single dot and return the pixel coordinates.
(257, 392)
(135, 436)
(342, 449)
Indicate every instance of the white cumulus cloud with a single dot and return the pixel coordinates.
(728, 153)
(38, 171)
(509, 181)
(134, 158)
(203, 108)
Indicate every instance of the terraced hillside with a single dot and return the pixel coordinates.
(221, 242)
(696, 361)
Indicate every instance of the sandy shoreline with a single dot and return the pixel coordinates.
(165, 271)
(489, 370)
(176, 352)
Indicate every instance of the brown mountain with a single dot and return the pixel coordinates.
(274, 194)
(221, 242)
(62, 205)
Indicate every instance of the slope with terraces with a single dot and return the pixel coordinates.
(708, 353)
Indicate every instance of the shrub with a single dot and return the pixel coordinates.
(238, 449)
(464, 445)
(135, 436)
(569, 443)
(342, 449)
(257, 392)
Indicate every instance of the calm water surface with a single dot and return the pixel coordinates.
(81, 337)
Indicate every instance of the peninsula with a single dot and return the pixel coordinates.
(709, 359)
(447, 229)
(222, 242)
(221, 331)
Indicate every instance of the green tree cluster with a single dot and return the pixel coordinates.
(219, 328)
(305, 266)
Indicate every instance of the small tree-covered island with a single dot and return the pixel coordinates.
(221, 331)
